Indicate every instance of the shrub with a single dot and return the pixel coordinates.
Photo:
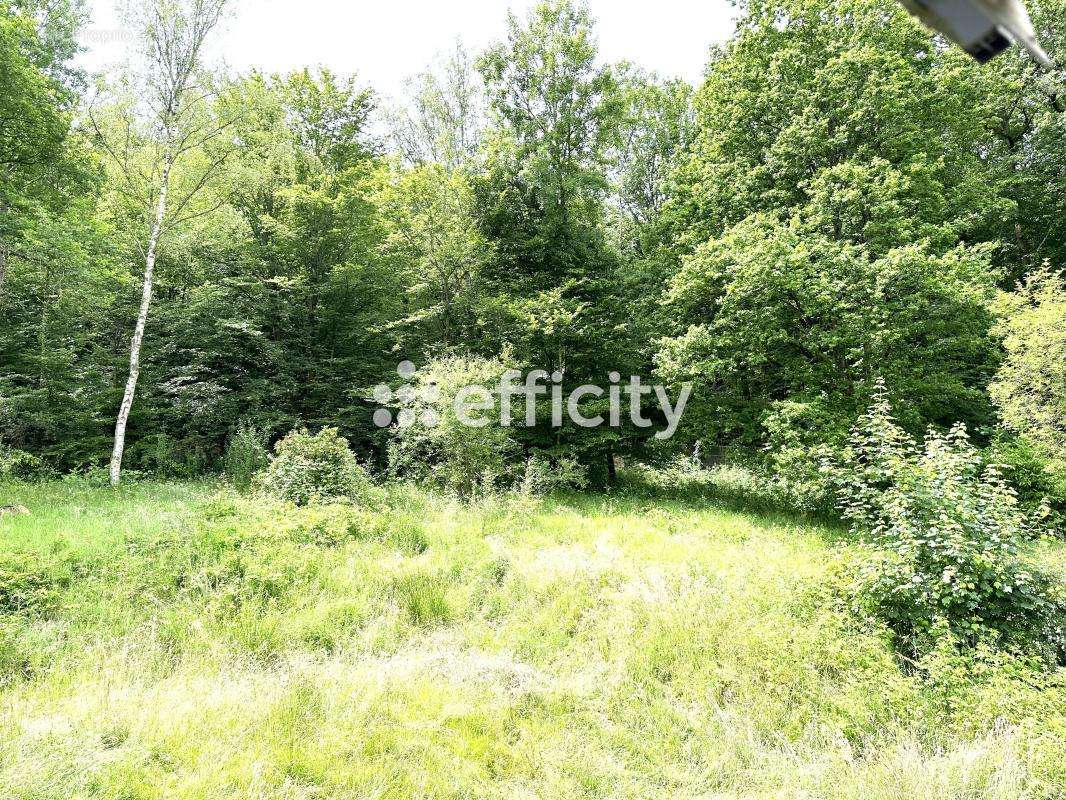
(743, 486)
(246, 455)
(324, 525)
(19, 465)
(545, 474)
(317, 468)
(431, 443)
(162, 456)
(953, 535)
(100, 477)
(800, 436)
(1041, 491)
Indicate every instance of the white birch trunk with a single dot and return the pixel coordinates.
(138, 331)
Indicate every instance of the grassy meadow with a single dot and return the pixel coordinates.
(182, 641)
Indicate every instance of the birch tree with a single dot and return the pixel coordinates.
(445, 114)
(165, 122)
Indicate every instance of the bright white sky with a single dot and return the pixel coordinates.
(386, 41)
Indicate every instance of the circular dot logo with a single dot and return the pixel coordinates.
(382, 395)
(406, 396)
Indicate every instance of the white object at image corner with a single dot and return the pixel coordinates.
(983, 28)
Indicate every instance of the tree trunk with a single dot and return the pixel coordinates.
(138, 331)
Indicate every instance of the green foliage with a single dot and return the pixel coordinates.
(433, 238)
(309, 469)
(840, 199)
(545, 474)
(445, 121)
(19, 465)
(1041, 491)
(31, 101)
(246, 455)
(780, 312)
(18, 659)
(449, 452)
(656, 127)
(1027, 151)
(554, 292)
(826, 224)
(953, 537)
(495, 640)
(744, 487)
(1030, 387)
(422, 596)
(560, 108)
(405, 532)
(799, 438)
(31, 584)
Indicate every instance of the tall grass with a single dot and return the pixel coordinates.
(197, 644)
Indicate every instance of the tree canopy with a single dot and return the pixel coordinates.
(844, 199)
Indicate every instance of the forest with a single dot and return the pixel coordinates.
(839, 202)
(232, 303)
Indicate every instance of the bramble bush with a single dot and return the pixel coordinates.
(309, 469)
(953, 534)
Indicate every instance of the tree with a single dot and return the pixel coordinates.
(34, 123)
(828, 221)
(1026, 149)
(655, 131)
(554, 291)
(309, 294)
(174, 124)
(558, 110)
(434, 238)
(440, 437)
(57, 277)
(779, 314)
(1030, 387)
(444, 119)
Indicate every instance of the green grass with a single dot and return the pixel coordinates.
(168, 641)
